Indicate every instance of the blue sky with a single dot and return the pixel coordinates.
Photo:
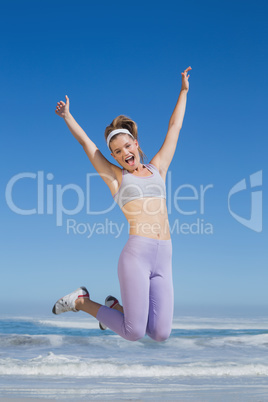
(115, 58)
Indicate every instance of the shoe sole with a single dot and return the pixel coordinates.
(101, 327)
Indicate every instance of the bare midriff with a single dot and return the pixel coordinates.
(148, 217)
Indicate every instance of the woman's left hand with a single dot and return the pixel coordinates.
(185, 82)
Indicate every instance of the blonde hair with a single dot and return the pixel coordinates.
(124, 122)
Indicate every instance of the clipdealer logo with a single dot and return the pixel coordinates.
(51, 200)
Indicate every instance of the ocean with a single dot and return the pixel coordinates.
(67, 357)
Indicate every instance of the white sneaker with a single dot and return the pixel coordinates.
(67, 303)
(111, 302)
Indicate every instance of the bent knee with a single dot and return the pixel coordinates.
(134, 335)
(160, 335)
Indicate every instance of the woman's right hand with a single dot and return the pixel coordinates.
(62, 109)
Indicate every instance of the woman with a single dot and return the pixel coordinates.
(145, 263)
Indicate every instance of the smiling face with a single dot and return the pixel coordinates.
(125, 151)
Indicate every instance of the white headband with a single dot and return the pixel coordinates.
(119, 130)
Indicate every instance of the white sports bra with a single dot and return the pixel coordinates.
(134, 187)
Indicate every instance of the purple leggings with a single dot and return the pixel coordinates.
(145, 276)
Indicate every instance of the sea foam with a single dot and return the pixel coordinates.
(69, 366)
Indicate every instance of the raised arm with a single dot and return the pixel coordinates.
(105, 168)
(165, 155)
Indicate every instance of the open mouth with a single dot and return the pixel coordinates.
(130, 160)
